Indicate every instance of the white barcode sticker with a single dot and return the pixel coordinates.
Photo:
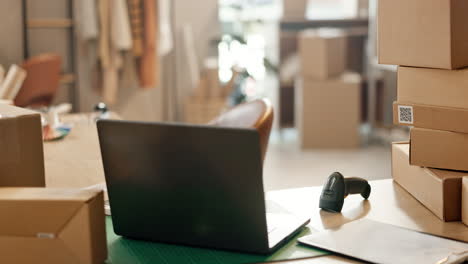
(405, 114)
(46, 235)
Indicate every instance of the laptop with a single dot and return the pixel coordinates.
(191, 185)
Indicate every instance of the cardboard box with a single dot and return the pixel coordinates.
(439, 149)
(21, 155)
(328, 112)
(322, 53)
(423, 33)
(432, 117)
(438, 190)
(294, 9)
(465, 200)
(203, 111)
(433, 87)
(54, 226)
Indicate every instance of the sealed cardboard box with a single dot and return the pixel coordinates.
(433, 86)
(423, 33)
(432, 117)
(328, 112)
(439, 149)
(322, 53)
(21, 155)
(465, 200)
(54, 226)
(438, 190)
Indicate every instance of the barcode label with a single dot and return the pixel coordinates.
(405, 114)
(46, 235)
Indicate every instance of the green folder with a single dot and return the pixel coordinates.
(125, 251)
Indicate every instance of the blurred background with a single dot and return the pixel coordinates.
(314, 60)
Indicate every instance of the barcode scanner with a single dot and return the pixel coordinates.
(337, 188)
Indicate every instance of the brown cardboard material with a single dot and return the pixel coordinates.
(322, 53)
(465, 200)
(423, 33)
(203, 111)
(439, 149)
(438, 190)
(54, 226)
(21, 155)
(432, 117)
(433, 86)
(294, 9)
(328, 112)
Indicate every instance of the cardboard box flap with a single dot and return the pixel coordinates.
(47, 194)
(39, 212)
(441, 174)
(74, 236)
(12, 111)
(85, 227)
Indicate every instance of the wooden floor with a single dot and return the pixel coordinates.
(287, 166)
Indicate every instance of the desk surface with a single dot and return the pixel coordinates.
(76, 162)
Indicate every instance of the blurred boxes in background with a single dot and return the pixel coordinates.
(54, 226)
(322, 53)
(438, 190)
(448, 88)
(423, 33)
(202, 112)
(294, 9)
(328, 112)
(21, 149)
(439, 149)
(465, 200)
(210, 97)
(432, 117)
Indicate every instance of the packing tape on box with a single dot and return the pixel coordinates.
(10, 151)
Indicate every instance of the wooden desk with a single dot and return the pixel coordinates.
(76, 162)
(388, 203)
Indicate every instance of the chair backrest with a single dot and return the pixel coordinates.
(257, 114)
(42, 80)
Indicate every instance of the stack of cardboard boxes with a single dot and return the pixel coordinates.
(209, 98)
(328, 107)
(42, 225)
(429, 40)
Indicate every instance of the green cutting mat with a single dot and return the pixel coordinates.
(125, 251)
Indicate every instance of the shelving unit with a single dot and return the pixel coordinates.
(38, 25)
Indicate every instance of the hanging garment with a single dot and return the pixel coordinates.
(165, 31)
(149, 62)
(86, 19)
(120, 26)
(115, 38)
(135, 12)
(109, 56)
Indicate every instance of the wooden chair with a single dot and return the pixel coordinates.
(42, 81)
(257, 114)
